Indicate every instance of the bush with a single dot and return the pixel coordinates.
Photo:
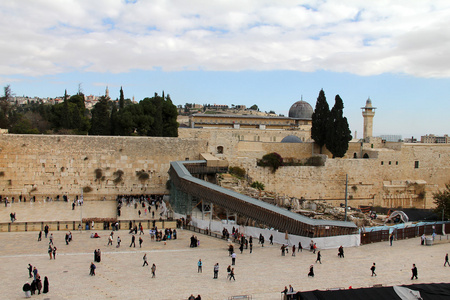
(98, 174)
(237, 171)
(142, 175)
(272, 160)
(118, 174)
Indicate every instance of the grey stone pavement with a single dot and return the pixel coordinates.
(262, 274)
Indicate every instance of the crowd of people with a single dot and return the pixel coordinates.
(36, 284)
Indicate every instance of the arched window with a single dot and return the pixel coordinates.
(366, 155)
(220, 150)
(354, 155)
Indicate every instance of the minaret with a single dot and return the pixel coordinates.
(107, 92)
(368, 113)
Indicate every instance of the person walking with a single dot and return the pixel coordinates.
(341, 252)
(145, 260)
(311, 271)
(140, 242)
(45, 291)
(110, 240)
(446, 260)
(118, 241)
(414, 272)
(199, 266)
(92, 269)
(300, 248)
(54, 252)
(293, 250)
(30, 270)
(153, 271)
(46, 229)
(319, 256)
(373, 270)
(35, 273)
(50, 239)
(391, 238)
(50, 251)
(228, 271)
(133, 239)
(271, 239)
(232, 274)
(216, 270)
(40, 236)
(233, 258)
(38, 284)
(251, 247)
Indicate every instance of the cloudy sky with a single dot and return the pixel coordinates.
(269, 53)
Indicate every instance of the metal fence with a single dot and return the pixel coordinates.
(404, 233)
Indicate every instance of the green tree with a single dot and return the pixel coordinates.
(272, 160)
(121, 99)
(23, 126)
(338, 134)
(259, 186)
(170, 113)
(5, 108)
(101, 122)
(254, 107)
(320, 118)
(156, 128)
(442, 201)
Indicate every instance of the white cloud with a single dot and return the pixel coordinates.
(361, 37)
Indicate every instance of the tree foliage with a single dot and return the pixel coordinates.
(320, 118)
(338, 134)
(442, 201)
(101, 120)
(155, 116)
(272, 160)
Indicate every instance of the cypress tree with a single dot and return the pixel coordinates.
(121, 99)
(101, 122)
(338, 134)
(320, 118)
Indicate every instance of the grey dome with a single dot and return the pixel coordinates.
(291, 139)
(301, 110)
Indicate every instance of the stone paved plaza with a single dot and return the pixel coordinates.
(262, 274)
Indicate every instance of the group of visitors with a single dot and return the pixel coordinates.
(195, 242)
(36, 285)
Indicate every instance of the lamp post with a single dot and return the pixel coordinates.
(346, 194)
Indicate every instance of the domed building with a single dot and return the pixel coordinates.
(298, 120)
(301, 110)
(291, 139)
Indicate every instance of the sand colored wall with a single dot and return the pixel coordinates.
(44, 165)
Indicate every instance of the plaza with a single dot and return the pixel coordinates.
(262, 274)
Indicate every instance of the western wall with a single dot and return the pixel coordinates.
(393, 175)
(51, 165)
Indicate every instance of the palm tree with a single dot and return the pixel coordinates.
(259, 186)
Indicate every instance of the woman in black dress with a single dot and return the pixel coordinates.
(45, 291)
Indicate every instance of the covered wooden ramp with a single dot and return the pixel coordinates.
(185, 187)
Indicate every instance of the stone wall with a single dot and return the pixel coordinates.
(47, 165)
(395, 174)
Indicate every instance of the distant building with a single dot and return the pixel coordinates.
(299, 118)
(433, 139)
(391, 137)
(410, 140)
